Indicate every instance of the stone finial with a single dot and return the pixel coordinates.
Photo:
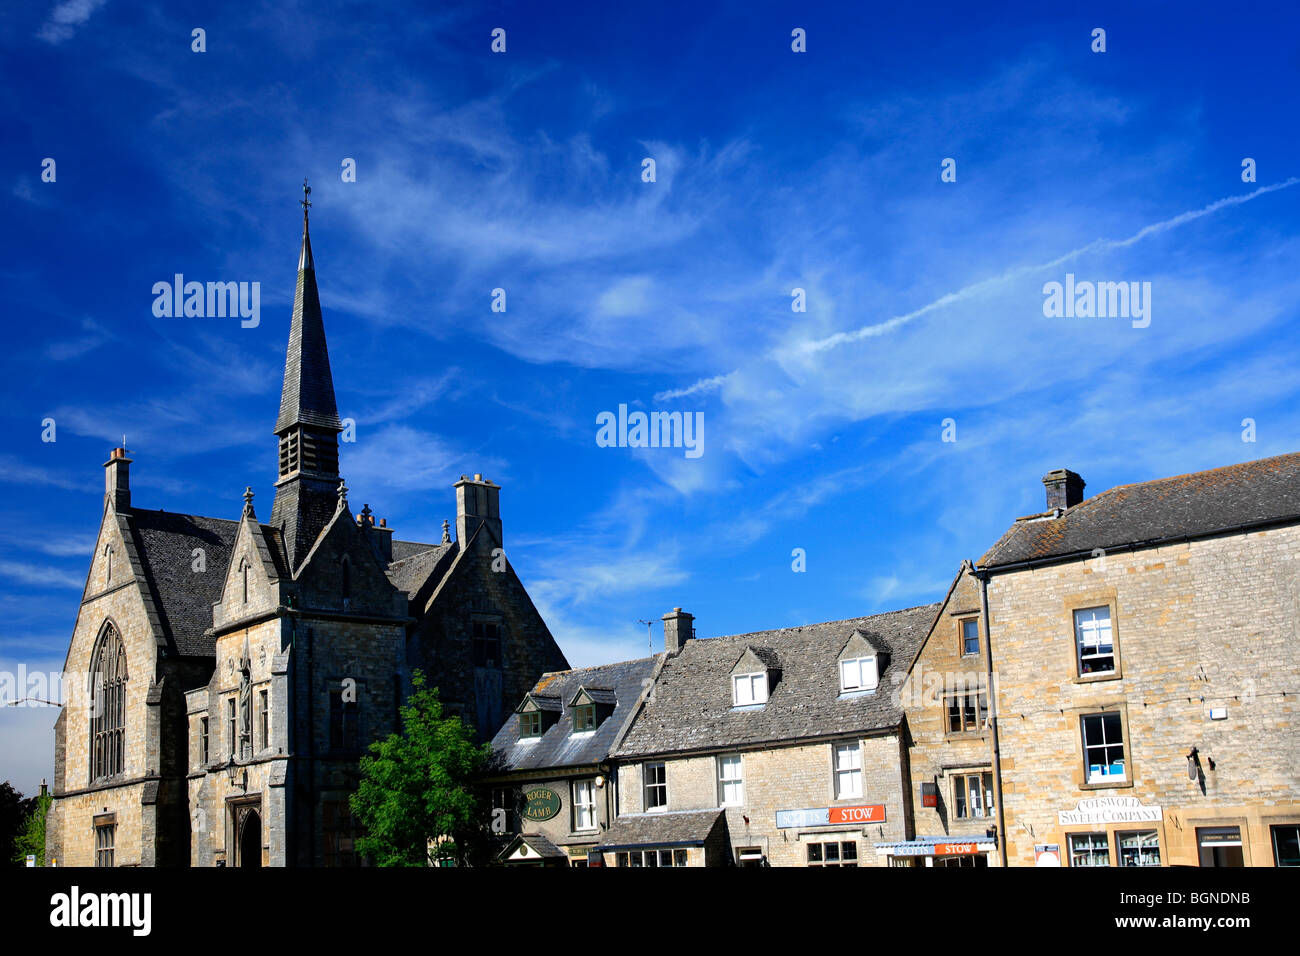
(343, 495)
(365, 514)
(446, 531)
(248, 502)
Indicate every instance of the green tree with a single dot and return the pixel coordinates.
(31, 835)
(13, 811)
(417, 789)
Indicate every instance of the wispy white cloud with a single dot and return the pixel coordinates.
(65, 18)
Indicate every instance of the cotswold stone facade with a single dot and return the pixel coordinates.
(776, 748)
(1145, 645)
(225, 676)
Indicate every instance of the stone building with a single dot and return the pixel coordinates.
(946, 703)
(1146, 643)
(774, 748)
(553, 786)
(224, 676)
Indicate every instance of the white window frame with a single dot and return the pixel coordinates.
(964, 624)
(1093, 630)
(848, 774)
(1104, 775)
(584, 805)
(851, 674)
(755, 685)
(660, 786)
(731, 780)
(979, 784)
(1089, 848)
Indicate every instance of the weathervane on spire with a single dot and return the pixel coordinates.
(305, 201)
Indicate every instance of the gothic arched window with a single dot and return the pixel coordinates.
(108, 705)
(243, 574)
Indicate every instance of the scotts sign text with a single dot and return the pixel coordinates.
(826, 816)
(540, 804)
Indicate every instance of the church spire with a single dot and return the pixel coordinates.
(308, 424)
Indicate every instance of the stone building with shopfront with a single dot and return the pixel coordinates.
(552, 783)
(774, 748)
(1146, 643)
(945, 699)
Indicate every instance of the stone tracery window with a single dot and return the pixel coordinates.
(108, 677)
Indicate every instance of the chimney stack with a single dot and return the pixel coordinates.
(1064, 489)
(478, 502)
(117, 480)
(679, 627)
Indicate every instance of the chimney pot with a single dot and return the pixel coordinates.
(679, 627)
(1064, 489)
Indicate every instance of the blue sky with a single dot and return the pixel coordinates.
(775, 170)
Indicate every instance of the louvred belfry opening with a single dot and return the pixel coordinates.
(308, 426)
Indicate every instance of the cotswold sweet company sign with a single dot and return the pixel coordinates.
(1110, 810)
(826, 816)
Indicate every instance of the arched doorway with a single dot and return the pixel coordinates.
(250, 839)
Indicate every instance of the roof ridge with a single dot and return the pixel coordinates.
(1189, 474)
(844, 620)
(179, 514)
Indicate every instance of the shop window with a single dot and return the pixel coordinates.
(1089, 849)
(973, 795)
(1139, 848)
(1103, 748)
(656, 786)
(654, 857)
(835, 853)
(1220, 846)
(966, 711)
(1093, 640)
(1286, 845)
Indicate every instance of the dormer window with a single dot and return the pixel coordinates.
(858, 673)
(749, 689)
(590, 706)
(860, 663)
(753, 676)
(537, 714)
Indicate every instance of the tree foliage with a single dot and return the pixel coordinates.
(31, 834)
(417, 787)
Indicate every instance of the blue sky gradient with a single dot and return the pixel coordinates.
(522, 170)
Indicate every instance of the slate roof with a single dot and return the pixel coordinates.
(559, 746)
(183, 598)
(410, 573)
(1201, 503)
(691, 707)
(668, 828)
(408, 549)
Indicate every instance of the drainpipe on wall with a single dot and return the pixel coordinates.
(983, 577)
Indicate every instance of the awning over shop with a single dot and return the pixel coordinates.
(670, 829)
(939, 846)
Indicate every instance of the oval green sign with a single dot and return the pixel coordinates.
(540, 804)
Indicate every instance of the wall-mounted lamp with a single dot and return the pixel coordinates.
(600, 782)
(1193, 764)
